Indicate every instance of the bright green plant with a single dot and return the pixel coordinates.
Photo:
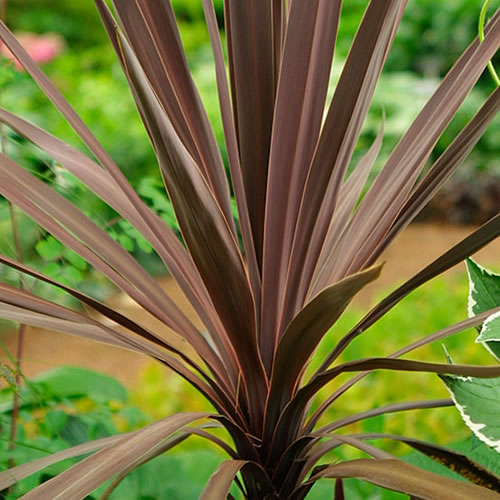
(310, 243)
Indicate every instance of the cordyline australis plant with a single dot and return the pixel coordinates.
(310, 240)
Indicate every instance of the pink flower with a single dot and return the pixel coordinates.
(42, 48)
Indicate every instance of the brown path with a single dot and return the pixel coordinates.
(417, 246)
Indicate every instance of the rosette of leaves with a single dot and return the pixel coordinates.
(478, 400)
(310, 242)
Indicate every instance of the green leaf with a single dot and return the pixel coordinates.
(126, 242)
(484, 288)
(490, 335)
(484, 294)
(374, 424)
(73, 274)
(143, 244)
(74, 259)
(56, 420)
(67, 382)
(49, 248)
(478, 401)
(52, 270)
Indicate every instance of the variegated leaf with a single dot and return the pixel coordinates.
(478, 401)
(484, 294)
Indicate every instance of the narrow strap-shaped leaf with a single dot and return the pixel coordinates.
(387, 195)
(76, 123)
(25, 189)
(290, 419)
(82, 130)
(357, 443)
(153, 35)
(400, 476)
(233, 152)
(302, 337)
(340, 132)
(12, 476)
(220, 481)
(252, 68)
(153, 453)
(349, 196)
(474, 242)
(305, 71)
(80, 328)
(164, 240)
(443, 168)
(74, 120)
(207, 235)
(53, 210)
(199, 296)
(384, 410)
(455, 461)
(82, 478)
(428, 339)
(107, 312)
(291, 461)
(23, 306)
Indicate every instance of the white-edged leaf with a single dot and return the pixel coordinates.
(484, 294)
(484, 288)
(478, 401)
(490, 335)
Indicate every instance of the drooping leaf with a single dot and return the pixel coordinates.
(454, 460)
(11, 476)
(220, 481)
(469, 245)
(427, 340)
(478, 401)
(81, 479)
(405, 478)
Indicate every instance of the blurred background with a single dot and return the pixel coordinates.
(67, 39)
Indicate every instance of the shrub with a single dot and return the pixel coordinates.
(310, 246)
